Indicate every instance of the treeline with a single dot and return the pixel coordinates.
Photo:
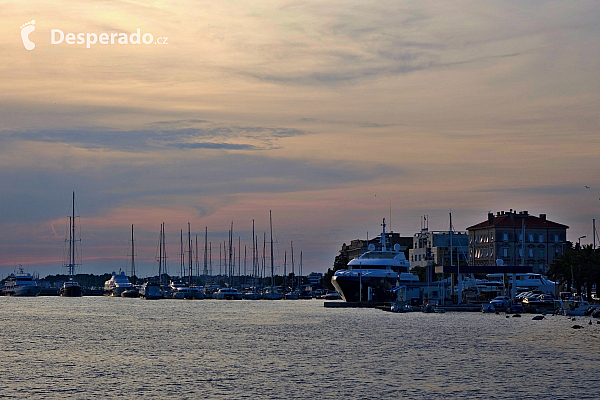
(579, 268)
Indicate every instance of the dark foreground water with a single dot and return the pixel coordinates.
(97, 347)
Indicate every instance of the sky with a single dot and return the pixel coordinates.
(331, 114)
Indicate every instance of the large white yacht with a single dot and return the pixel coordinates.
(376, 272)
(21, 284)
(117, 284)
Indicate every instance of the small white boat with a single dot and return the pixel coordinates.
(228, 294)
(575, 307)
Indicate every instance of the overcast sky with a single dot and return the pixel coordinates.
(329, 113)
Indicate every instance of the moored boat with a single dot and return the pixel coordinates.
(21, 284)
(374, 274)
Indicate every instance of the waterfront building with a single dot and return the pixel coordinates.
(314, 278)
(516, 238)
(433, 248)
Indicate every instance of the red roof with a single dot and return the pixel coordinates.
(513, 220)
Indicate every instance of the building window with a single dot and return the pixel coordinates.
(505, 237)
(541, 238)
(504, 252)
(541, 253)
(555, 238)
(520, 252)
(530, 253)
(520, 237)
(531, 237)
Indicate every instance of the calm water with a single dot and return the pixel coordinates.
(94, 347)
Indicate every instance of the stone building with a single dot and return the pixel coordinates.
(516, 238)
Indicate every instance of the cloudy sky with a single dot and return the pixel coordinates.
(328, 113)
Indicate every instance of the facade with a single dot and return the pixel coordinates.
(516, 239)
(433, 248)
(314, 278)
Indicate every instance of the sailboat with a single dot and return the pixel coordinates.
(71, 288)
(271, 293)
(131, 291)
(153, 290)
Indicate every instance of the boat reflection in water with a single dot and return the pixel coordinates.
(374, 274)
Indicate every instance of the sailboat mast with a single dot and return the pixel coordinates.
(132, 253)
(253, 259)
(73, 238)
(206, 251)
(160, 246)
(272, 264)
(294, 275)
(190, 262)
(300, 270)
(181, 256)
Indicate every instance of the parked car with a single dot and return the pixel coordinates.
(501, 302)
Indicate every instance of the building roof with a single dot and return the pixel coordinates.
(513, 220)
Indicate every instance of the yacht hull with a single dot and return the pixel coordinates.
(71, 291)
(31, 291)
(349, 288)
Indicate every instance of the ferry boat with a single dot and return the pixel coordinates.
(21, 284)
(377, 272)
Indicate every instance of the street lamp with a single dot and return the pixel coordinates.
(579, 240)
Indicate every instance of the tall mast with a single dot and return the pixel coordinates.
(206, 251)
(132, 254)
(293, 274)
(73, 236)
(253, 259)
(285, 270)
(272, 265)
(190, 263)
(197, 260)
(300, 277)
(160, 255)
(181, 274)
(239, 260)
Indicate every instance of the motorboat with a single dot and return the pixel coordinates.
(577, 307)
(21, 284)
(117, 284)
(228, 293)
(374, 274)
(526, 282)
(179, 290)
(272, 294)
(71, 288)
(151, 291)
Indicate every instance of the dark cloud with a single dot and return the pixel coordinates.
(142, 140)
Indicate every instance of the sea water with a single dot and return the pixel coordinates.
(96, 347)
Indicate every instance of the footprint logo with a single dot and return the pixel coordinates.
(26, 29)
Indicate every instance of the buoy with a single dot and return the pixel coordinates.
(577, 327)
